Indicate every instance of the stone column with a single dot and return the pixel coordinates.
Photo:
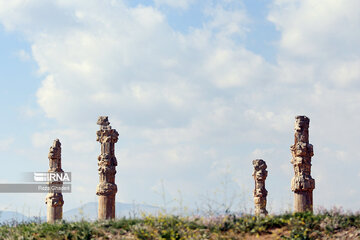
(260, 192)
(107, 188)
(54, 199)
(302, 184)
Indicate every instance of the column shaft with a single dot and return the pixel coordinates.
(106, 189)
(260, 193)
(54, 199)
(302, 184)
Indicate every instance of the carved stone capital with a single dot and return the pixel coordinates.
(302, 183)
(55, 150)
(106, 189)
(107, 136)
(260, 192)
(103, 121)
(107, 160)
(55, 156)
(54, 199)
(107, 169)
(302, 149)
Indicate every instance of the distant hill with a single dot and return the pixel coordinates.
(89, 211)
(10, 216)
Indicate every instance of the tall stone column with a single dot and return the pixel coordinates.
(107, 188)
(302, 184)
(54, 199)
(260, 192)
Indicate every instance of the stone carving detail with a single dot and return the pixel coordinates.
(54, 199)
(106, 189)
(302, 184)
(260, 193)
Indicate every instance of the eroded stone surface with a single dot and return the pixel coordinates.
(260, 193)
(54, 200)
(103, 121)
(107, 162)
(302, 184)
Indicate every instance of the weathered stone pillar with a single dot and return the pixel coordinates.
(54, 199)
(107, 188)
(302, 183)
(260, 192)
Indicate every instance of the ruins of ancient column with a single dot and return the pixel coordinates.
(54, 199)
(106, 190)
(260, 192)
(302, 184)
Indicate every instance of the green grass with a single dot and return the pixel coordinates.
(290, 226)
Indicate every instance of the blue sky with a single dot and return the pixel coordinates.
(196, 90)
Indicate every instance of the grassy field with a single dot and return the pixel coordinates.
(326, 225)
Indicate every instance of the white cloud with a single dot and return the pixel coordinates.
(227, 20)
(183, 4)
(346, 73)
(229, 67)
(317, 29)
(274, 121)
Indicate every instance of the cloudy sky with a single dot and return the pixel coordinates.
(196, 89)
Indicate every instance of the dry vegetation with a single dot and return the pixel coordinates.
(325, 225)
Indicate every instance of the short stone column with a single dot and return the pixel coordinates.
(260, 192)
(302, 184)
(54, 199)
(106, 190)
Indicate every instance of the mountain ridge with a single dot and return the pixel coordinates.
(86, 211)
